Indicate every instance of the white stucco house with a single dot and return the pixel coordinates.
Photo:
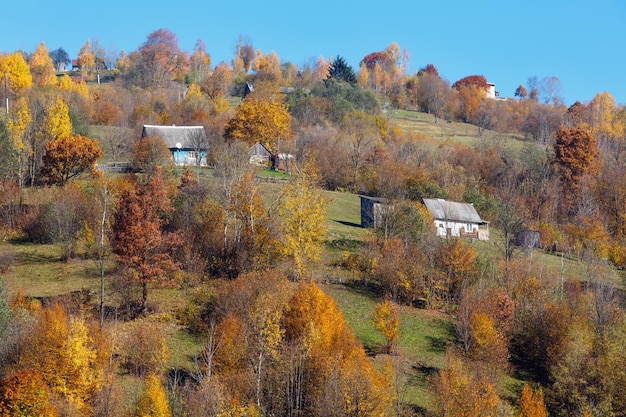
(454, 219)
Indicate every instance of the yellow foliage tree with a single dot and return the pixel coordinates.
(486, 343)
(86, 57)
(457, 260)
(387, 321)
(589, 235)
(56, 123)
(199, 63)
(15, 68)
(605, 120)
(302, 208)
(260, 120)
(531, 403)
(62, 350)
(17, 124)
(461, 394)
(235, 409)
(42, 67)
(267, 66)
(153, 401)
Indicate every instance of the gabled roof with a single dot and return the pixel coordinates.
(259, 149)
(454, 211)
(180, 137)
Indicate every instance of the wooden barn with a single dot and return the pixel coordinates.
(260, 155)
(188, 144)
(372, 211)
(454, 219)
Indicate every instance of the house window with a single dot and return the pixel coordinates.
(192, 155)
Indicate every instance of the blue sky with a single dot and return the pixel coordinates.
(583, 43)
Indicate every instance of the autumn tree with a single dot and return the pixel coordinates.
(359, 135)
(41, 67)
(25, 394)
(328, 372)
(487, 345)
(149, 154)
(15, 72)
(607, 123)
(199, 63)
(520, 92)
(478, 81)
(576, 154)
(68, 157)
(63, 351)
(138, 240)
(219, 81)
(260, 120)
(433, 93)
(51, 121)
(153, 400)
(267, 67)
(86, 57)
(244, 54)
(17, 124)
(302, 208)
(256, 231)
(146, 352)
(460, 393)
(161, 59)
(531, 403)
(387, 321)
(56, 123)
(457, 265)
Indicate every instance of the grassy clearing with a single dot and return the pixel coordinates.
(424, 337)
(444, 132)
(39, 271)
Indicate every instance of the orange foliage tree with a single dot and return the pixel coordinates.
(42, 67)
(337, 375)
(24, 394)
(68, 157)
(575, 154)
(531, 403)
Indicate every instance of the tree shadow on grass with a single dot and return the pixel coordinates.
(351, 224)
(437, 344)
(36, 257)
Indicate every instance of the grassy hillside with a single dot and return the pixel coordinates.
(37, 270)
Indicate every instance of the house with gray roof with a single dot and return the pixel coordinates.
(454, 219)
(188, 144)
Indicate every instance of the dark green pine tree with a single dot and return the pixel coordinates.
(341, 71)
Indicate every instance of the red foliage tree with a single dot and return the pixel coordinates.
(138, 239)
(372, 59)
(575, 154)
(472, 80)
(429, 69)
